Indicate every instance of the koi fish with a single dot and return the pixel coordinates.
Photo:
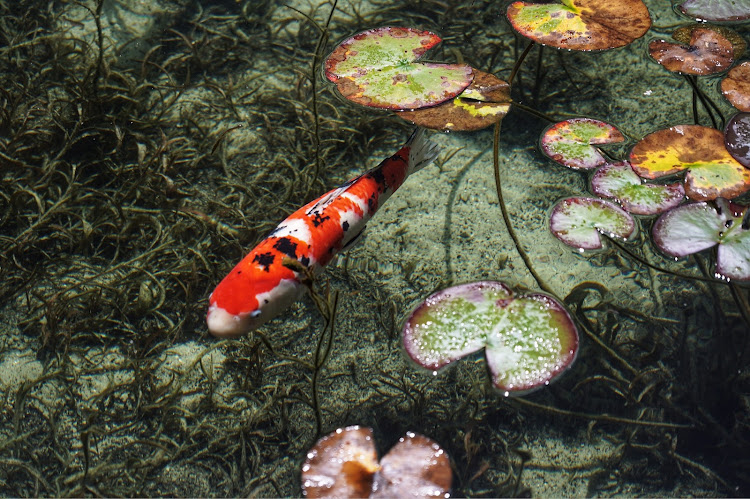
(260, 287)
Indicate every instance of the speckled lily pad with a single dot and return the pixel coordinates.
(707, 53)
(619, 181)
(737, 138)
(485, 102)
(711, 171)
(377, 68)
(716, 10)
(344, 464)
(736, 86)
(578, 222)
(696, 227)
(581, 24)
(570, 142)
(528, 339)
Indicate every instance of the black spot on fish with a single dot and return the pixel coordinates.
(286, 246)
(317, 219)
(265, 260)
(345, 226)
(372, 204)
(305, 261)
(377, 176)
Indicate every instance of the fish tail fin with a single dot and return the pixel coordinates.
(422, 151)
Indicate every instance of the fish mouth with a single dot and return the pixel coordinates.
(223, 324)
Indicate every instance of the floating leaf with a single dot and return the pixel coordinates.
(708, 52)
(528, 339)
(736, 86)
(569, 142)
(578, 221)
(684, 34)
(695, 227)
(711, 171)
(344, 464)
(716, 10)
(737, 138)
(619, 181)
(581, 24)
(341, 464)
(376, 68)
(415, 467)
(484, 102)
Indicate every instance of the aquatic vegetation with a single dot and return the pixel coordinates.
(578, 222)
(708, 52)
(710, 171)
(716, 10)
(619, 181)
(737, 138)
(696, 227)
(344, 464)
(377, 68)
(736, 86)
(570, 142)
(529, 339)
(581, 24)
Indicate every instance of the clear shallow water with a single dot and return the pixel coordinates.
(128, 193)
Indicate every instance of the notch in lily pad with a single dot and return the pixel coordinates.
(378, 68)
(579, 222)
(619, 181)
(571, 142)
(696, 227)
(529, 339)
(344, 464)
(711, 171)
(581, 24)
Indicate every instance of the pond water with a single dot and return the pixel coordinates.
(146, 146)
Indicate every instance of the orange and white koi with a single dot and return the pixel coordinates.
(260, 287)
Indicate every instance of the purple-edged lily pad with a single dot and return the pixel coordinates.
(737, 138)
(716, 10)
(377, 68)
(570, 142)
(578, 222)
(695, 227)
(619, 181)
(528, 339)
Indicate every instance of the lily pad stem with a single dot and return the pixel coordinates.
(496, 163)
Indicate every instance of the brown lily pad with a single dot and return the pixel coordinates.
(711, 171)
(683, 34)
(581, 24)
(707, 53)
(736, 86)
(485, 102)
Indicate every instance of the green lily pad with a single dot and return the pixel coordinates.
(581, 24)
(619, 181)
(578, 222)
(377, 68)
(696, 227)
(570, 142)
(528, 339)
(716, 10)
(711, 171)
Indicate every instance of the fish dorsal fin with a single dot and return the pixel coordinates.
(329, 197)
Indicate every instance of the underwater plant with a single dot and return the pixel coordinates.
(345, 464)
(529, 339)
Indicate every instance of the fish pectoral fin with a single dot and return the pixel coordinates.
(353, 240)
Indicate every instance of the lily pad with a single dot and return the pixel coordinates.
(344, 464)
(484, 102)
(716, 10)
(570, 142)
(578, 222)
(711, 171)
(528, 339)
(737, 138)
(377, 68)
(619, 181)
(696, 227)
(707, 53)
(736, 86)
(581, 24)
(683, 34)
